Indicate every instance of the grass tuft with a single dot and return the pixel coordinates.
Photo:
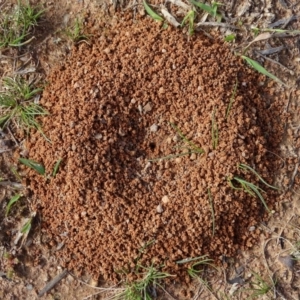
(16, 26)
(144, 288)
(260, 287)
(76, 32)
(17, 104)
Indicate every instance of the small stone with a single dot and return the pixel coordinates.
(147, 107)
(106, 50)
(175, 138)
(169, 140)
(153, 128)
(133, 101)
(163, 50)
(193, 156)
(252, 228)
(159, 209)
(98, 136)
(211, 154)
(165, 199)
(29, 287)
(178, 160)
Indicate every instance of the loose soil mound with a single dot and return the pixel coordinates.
(113, 106)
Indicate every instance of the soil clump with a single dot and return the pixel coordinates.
(127, 112)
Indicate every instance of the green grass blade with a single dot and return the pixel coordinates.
(230, 38)
(258, 67)
(205, 7)
(26, 228)
(246, 167)
(252, 189)
(212, 10)
(33, 165)
(13, 200)
(56, 167)
(151, 13)
(183, 137)
(190, 17)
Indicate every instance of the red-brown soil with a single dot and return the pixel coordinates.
(111, 107)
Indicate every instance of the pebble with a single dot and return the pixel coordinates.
(193, 156)
(106, 50)
(165, 199)
(252, 228)
(147, 107)
(153, 128)
(178, 160)
(29, 287)
(159, 209)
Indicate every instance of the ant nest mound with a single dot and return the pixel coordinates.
(152, 127)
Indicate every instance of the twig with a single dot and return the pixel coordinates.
(283, 22)
(216, 24)
(52, 283)
(293, 175)
(271, 50)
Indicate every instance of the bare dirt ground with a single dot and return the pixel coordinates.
(28, 266)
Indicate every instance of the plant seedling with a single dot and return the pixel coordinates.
(76, 33)
(16, 104)
(12, 201)
(190, 17)
(56, 167)
(15, 26)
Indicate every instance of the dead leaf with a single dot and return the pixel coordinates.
(260, 37)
